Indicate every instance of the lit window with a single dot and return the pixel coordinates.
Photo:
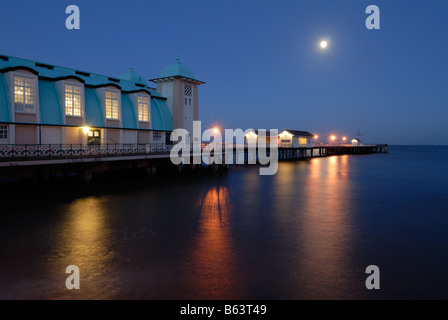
(143, 108)
(72, 100)
(157, 136)
(112, 105)
(3, 132)
(302, 141)
(23, 94)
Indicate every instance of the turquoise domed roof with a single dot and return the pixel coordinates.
(177, 69)
(133, 76)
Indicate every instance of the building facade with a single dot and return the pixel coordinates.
(286, 138)
(295, 139)
(47, 104)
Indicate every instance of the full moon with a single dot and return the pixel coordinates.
(323, 44)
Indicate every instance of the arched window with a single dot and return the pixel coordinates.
(73, 100)
(143, 108)
(23, 94)
(112, 105)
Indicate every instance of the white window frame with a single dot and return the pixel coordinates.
(143, 106)
(159, 138)
(24, 105)
(5, 135)
(81, 104)
(118, 93)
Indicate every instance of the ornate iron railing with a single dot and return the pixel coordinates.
(21, 152)
(63, 151)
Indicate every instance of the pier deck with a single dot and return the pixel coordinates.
(18, 161)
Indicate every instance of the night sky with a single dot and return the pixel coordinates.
(261, 59)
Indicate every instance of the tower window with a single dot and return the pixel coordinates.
(143, 108)
(23, 94)
(72, 100)
(188, 94)
(111, 105)
(188, 90)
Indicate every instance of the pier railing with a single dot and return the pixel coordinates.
(23, 152)
(37, 151)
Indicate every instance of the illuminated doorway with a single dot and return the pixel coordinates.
(94, 137)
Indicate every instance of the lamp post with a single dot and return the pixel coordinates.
(333, 138)
(316, 137)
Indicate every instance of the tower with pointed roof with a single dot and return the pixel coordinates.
(179, 85)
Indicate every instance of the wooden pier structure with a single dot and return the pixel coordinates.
(20, 161)
(329, 150)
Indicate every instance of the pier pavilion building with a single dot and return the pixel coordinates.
(295, 139)
(46, 104)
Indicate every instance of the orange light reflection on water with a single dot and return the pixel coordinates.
(326, 225)
(213, 254)
(84, 240)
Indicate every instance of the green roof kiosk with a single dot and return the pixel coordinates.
(179, 85)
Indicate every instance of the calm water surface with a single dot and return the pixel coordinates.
(307, 232)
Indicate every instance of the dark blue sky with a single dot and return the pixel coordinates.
(261, 60)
